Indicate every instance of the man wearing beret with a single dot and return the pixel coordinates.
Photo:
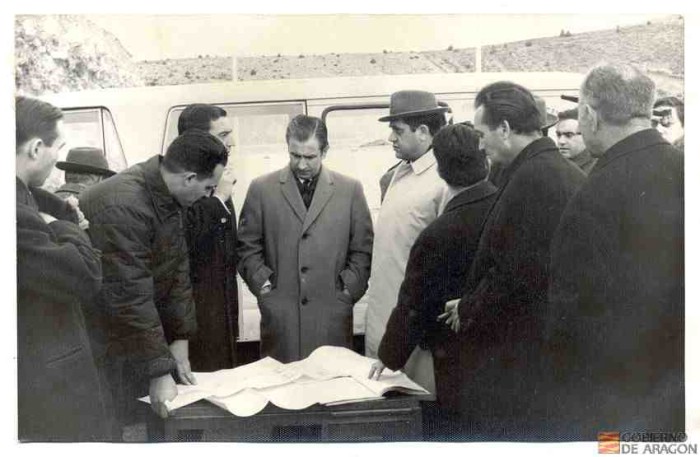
(146, 301)
(415, 197)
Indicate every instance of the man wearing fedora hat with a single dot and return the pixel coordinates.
(414, 198)
(84, 167)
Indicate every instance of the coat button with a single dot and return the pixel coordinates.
(304, 301)
(223, 220)
(304, 236)
(304, 269)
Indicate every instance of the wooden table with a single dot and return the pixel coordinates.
(396, 418)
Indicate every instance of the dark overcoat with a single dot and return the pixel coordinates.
(616, 312)
(211, 238)
(506, 292)
(60, 396)
(309, 256)
(436, 272)
(146, 298)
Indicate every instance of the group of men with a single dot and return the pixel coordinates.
(542, 305)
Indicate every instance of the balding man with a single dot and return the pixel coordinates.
(616, 313)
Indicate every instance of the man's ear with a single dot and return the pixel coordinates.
(593, 119)
(505, 130)
(424, 132)
(33, 147)
(324, 151)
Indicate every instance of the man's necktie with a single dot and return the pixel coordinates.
(306, 194)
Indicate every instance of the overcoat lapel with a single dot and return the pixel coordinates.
(291, 193)
(323, 193)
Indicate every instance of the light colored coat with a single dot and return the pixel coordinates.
(309, 257)
(415, 198)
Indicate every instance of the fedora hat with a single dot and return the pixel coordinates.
(409, 103)
(86, 160)
(547, 119)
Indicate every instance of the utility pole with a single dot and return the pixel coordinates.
(478, 58)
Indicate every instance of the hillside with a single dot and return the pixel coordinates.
(69, 53)
(656, 47)
(61, 53)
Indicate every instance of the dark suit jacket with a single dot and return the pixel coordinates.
(211, 238)
(616, 312)
(60, 397)
(436, 272)
(501, 311)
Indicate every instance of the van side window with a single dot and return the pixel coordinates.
(92, 127)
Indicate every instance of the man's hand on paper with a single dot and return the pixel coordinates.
(180, 351)
(377, 368)
(451, 314)
(162, 390)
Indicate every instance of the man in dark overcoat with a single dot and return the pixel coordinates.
(60, 396)
(305, 244)
(437, 268)
(211, 239)
(146, 301)
(616, 310)
(500, 313)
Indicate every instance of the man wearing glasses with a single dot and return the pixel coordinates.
(570, 141)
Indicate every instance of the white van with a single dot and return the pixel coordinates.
(131, 125)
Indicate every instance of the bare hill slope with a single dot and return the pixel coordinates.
(69, 53)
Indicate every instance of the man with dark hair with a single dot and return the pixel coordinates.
(497, 173)
(616, 310)
(500, 312)
(436, 271)
(205, 117)
(415, 197)
(57, 269)
(305, 244)
(146, 300)
(671, 121)
(571, 143)
(211, 238)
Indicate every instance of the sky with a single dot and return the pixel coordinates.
(154, 37)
